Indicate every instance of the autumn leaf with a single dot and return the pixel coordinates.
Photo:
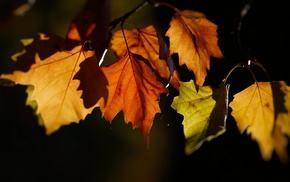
(65, 82)
(195, 39)
(145, 42)
(204, 118)
(133, 88)
(56, 92)
(265, 116)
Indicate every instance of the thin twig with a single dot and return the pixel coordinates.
(122, 19)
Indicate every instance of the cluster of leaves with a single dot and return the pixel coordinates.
(66, 79)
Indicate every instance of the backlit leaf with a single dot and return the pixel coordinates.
(144, 42)
(265, 116)
(195, 39)
(204, 118)
(57, 93)
(133, 88)
(65, 82)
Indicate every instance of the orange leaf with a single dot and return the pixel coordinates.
(195, 39)
(133, 88)
(58, 84)
(144, 42)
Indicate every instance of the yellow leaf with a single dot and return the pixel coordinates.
(262, 110)
(57, 92)
(195, 40)
(197, 106)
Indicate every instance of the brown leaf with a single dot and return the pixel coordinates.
(133, 88)
(195, 40)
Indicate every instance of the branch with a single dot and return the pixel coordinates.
(122, 19)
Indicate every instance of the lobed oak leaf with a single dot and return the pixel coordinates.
(144, 42)
(204, 117)
(263, 111)
(134, 89)
(195, 39)
(56, 91)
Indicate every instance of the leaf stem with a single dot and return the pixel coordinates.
(122, 19)
(247, 65)
(157, 4)
(124, 35)
(257, 63)
(239, 65)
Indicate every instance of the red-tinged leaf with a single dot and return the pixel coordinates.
(134, 89)
(144, 42)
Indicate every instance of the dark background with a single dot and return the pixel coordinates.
(95, 150)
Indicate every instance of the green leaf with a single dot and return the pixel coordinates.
(204, 118)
